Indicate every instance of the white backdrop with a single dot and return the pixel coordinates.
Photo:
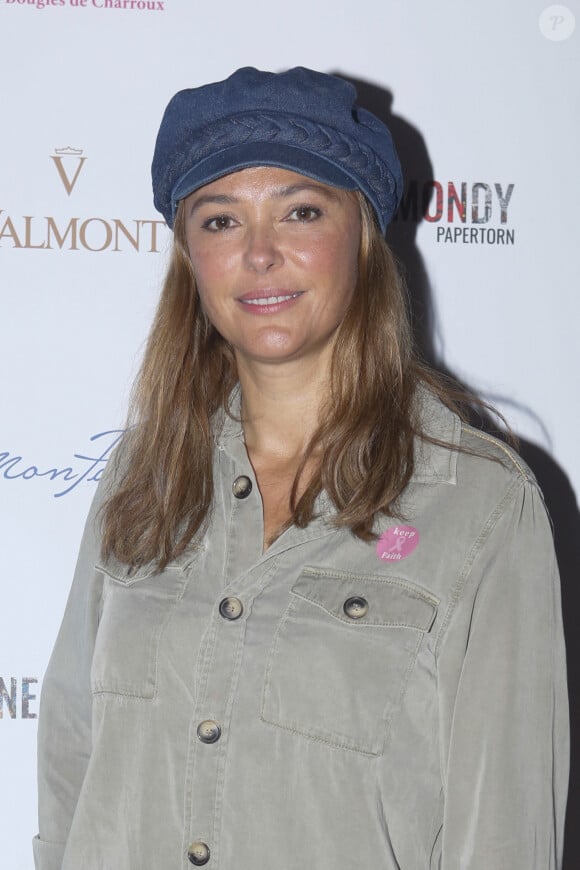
(493, 89)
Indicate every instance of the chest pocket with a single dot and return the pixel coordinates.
(342, 655)
(136, 608)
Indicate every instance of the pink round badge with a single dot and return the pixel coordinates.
(397, 543)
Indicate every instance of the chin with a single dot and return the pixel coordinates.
(271, 348)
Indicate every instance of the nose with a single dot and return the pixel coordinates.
(262, 250)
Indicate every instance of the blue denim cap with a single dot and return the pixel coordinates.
(301, 120)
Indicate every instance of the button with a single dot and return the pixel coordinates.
(242, 486)
(209, 731)
(231, 608)
(198, 853)
(356, 607)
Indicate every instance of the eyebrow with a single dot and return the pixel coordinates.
(280, 193)
(323, 189)
(216, 199)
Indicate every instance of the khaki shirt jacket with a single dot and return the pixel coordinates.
(329, 703)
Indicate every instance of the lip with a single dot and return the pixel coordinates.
(268, 301)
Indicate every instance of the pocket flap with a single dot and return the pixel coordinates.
(125, 574)
(122, 573)
(392, 601)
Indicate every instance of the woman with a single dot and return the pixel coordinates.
(315, 620)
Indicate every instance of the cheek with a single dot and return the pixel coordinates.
(328, 256)
(339, 264)
(213, 274)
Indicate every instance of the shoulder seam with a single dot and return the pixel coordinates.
(497, 443)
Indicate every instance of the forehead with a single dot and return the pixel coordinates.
(266, 182)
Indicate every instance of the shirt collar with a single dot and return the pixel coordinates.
(434, 463)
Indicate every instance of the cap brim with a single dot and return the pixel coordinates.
(260, 154)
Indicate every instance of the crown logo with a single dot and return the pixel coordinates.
(68, 150)
(68, 161)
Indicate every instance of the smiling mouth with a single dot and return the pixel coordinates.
(271, 300)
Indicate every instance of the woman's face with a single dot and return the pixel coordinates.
(274, 255)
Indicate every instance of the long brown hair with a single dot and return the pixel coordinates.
(163, 497)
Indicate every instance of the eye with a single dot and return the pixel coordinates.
(305, 213)
(218, 223)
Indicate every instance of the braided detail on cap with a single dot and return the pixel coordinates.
(357, 160)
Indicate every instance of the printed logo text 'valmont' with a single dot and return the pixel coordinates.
(95, 234)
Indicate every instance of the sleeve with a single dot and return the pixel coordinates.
(505, 755)
(64, 727)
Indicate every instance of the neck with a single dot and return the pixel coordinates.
(281, 406)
